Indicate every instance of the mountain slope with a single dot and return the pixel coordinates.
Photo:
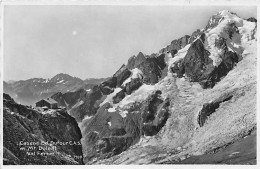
(193, 97)
(35, 137)
(195, 121)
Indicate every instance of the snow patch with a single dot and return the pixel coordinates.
(112, 109)
(179, 55)
(46, 81)
(66, 103)
(245, 29)
(230, 155)
(137, 96)
(87, 118)
(49, 111)
(60, 81)
(77, 104)
(123, 113)
(136, 73)
(109, 123)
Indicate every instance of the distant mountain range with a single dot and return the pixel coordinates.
(29, 91)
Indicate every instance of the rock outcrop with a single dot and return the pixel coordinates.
(210, 108)
(134, 61)
(112, 131)
(195, 35)
(252, 19)
(153, 69)
(154, 114)
(33, 137)
(70, 98)
(108, 133)
(199, 67)
(87, 105)
(176, 44)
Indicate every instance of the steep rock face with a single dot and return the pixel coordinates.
(108, 133)
(134, 61)
(152, 69)
(129, 88)
(123, 76)
(210, 108)
(178, 68)
(112, 131)
(173, 52)
(106, 90)
(82, 103)
(214, 21)
(179, 43)
(70, 98)
(111, 82)
(133, 85)
(176, 44)
(199, 67)
(252, 19)
(54, 137)
(119, 96)
(196, 60)
(152, 66)
(87, 106)
(154, 114)
(195, 35)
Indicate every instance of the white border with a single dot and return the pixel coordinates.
(124, 3)
(133, 2)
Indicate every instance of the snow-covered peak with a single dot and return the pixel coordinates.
(225, 30)
(226, 13)
(216, 19)
(233, 29)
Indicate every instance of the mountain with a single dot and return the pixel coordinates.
(36, 137)
(194, 97)
(31, 90)
(192, 102)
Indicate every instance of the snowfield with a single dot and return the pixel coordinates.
(180, 55)
(245, 29)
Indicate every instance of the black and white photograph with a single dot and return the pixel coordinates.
(129, 83)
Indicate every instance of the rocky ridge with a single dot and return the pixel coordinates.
(157, 107)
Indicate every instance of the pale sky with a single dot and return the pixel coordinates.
(93, 41)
